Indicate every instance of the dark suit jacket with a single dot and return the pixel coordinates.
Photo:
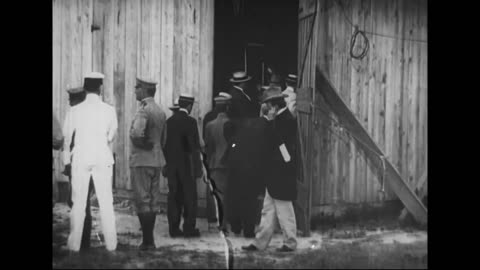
(210, 116)
(241, 106)
(215, 143)
(281, 176)
(182, 150)
(249, 149)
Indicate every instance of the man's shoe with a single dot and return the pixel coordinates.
(284, 248)
(194, 233)
(250, 247)
(177, 233)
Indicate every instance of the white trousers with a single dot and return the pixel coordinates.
(102, 180)
(276, 212)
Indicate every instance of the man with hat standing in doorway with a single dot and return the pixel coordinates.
(148, 137)
(291, 82)
(182, 152)
(95, 125)
(76, 96)
(215, 147)
(244, 104)
(211, 115)
(279, 176)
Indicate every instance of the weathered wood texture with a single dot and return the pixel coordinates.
(169, 41)
(386, 91)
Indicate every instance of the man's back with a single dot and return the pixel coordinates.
(215, 143)
(182, 140)
(155, 131)
(249, 143)
(95, 124)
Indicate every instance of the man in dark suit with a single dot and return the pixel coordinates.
(75, 97)
(279, 177)
(244, 98)
(182, 152)
(246, 157)
(148, 137)
(215, 146)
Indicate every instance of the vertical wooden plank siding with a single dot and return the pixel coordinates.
(168, 41)
(386, 90)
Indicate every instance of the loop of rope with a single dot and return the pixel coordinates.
(353, 40)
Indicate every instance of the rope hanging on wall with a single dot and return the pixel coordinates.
(353, 41)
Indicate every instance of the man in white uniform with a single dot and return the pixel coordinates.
(95, 124)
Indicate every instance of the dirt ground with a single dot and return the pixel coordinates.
(337, 248)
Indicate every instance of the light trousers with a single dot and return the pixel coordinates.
(102, 180)
(276, 212)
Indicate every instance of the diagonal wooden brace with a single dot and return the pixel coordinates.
(346, 118)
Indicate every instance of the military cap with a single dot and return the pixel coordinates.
(75, 90)
(145, 83)
(240, 76)
(93, 80)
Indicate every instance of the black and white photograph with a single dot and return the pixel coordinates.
(239, 134)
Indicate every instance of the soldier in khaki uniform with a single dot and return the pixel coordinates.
(148, 137)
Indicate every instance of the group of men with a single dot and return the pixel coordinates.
(251, 147)
(249, 138)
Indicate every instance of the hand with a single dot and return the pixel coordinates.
(271, 113)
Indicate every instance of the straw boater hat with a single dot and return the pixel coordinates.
(223, 98)
(240, 76)
(175, 106)
(273, 92)
(185, 98)
(225, 94)
(291, 78)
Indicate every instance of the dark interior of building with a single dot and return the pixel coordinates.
(258, 35)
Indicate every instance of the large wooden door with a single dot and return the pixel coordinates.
(303, 203)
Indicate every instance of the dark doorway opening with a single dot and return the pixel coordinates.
(254, 35)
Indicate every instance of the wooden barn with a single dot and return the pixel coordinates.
(363, 118)
(362, 90)
(170, 41)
